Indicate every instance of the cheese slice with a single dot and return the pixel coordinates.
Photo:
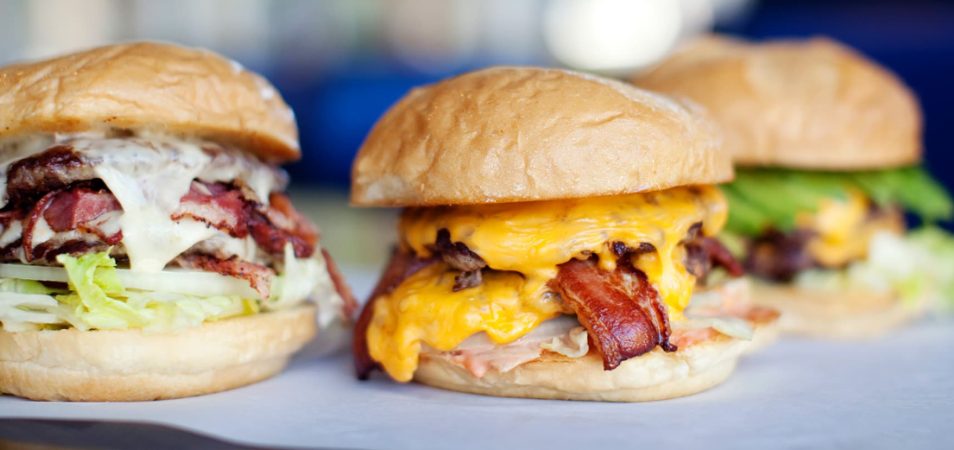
(425, 309)
(843, 229)
(525, 243)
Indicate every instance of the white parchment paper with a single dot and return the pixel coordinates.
(894, 392)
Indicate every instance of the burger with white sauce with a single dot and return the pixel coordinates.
(147, 249)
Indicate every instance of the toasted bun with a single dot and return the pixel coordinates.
(148, 86)
(656, 375)
(510, 134)
(811, 104)
(133, 365)
(838, 315)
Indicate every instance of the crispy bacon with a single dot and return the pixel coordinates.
(68, 210)
(258, 276)
(722, 257)
(350, 304)
(65, 210)
(621, 310)
(222, 206)
(48, 250)
(704, 252)
(225, 208)
(215, 204)
(779, 256)
(281, 224)
(460, 257)
(403, 264)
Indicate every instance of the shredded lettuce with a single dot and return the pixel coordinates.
(96, 299)
(764, 197)
(917, 267)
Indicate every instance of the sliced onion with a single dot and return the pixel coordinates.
(189, 282)
(31, 300)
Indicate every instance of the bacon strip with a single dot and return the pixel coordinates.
(779, 256)
(350, 304)
(402, 265)
(65, 210)
(215, 204)
(460, 257)
(621, 310)
(281, 224)
(258, 276)
(703, 253)
(224, 207)
(721, 256)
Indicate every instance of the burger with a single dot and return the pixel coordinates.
(147, 250)
(555, 227)
(828, 149)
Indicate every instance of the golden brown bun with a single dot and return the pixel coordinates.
(133, 366)
(811, 104)
(510, 134)
(839, 315)
(656, 375)
(148, 86)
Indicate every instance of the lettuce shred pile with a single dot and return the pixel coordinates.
(95, 299)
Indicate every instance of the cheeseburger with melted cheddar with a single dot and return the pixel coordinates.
(828, 145)
(555, 228)
(147, 248)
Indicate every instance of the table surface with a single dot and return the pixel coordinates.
(894, 392)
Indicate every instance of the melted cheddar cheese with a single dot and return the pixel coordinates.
(843, 229)
(425, 309)
(524, 243)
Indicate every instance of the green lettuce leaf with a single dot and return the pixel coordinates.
(759, 198)
(937, 248)
(97, 300)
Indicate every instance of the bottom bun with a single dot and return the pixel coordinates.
(656, 375)
(133, 365)
(839, 315)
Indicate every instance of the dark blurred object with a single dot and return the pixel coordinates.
(105, 435)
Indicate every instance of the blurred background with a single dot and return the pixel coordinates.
(341, 63)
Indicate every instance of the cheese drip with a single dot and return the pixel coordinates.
(843, 229)
(526, 242)
(425, 309)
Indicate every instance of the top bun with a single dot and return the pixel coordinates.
(150, 87)
(511, 134)
(811, 104)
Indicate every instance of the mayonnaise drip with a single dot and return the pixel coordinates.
(148, 173)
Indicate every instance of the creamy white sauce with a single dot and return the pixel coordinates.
(148, 181)
(148, 174)
(41, 233)
(11, 233)
(303, 279)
